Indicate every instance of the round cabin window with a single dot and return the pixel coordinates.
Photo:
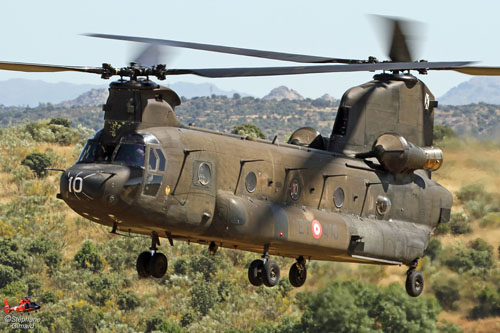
(251, 182)
(294, 189)
(383, 205)
(204, 174)
(338, 197)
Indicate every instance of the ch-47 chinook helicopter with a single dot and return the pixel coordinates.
(364, 195)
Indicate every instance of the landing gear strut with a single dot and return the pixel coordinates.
(152, 263)
(264, 271)
(414, 280)
(298, 273)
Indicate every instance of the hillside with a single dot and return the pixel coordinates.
(273, 116)
(85, 279)
(475, 90)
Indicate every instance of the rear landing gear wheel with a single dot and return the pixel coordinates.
(270, 274)
(297, 275)
(254, 271)
(158, 265)
(414, 283)
(142, 264)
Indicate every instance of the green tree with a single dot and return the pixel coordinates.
(37, 162)
(355, 307)
(250, 130)
(442, 132)
(89, 258)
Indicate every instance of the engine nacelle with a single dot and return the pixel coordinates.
(399, 156)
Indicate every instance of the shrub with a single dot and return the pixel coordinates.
(84, 318)
(459, 223)
(477, 257)
(89, 258)
(203, 297)
(447, 293)
(60, 121)
(101, 289)
(7, 275)
(37, 162)
(442, 132)
(491, 220)
(472, 192)
(433, 249)
(248, 129)
(181, 266)
(52, 259)
(488, 303)
(159, 323)
(49, 297)
(128, 300)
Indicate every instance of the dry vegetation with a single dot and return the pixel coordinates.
(200, 292)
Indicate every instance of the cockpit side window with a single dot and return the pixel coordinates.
(130, 154)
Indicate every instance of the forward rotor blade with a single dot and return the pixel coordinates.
(476, 70)
(233, 50)
(26, 67)
(269, 71)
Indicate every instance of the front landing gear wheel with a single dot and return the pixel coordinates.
(270, 274)
(254, 272)
(414, 283)
(158, 265)
(297, 275)
(142, 264)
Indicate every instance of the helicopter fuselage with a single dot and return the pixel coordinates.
(252, 194)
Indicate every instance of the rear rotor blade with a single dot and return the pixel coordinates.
(27, 67)
(233, 50)
(399, 50)
(269, 71)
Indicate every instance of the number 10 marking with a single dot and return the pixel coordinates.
(75, 184)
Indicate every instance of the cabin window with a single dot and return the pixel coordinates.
(340, 126)
(130, 154)
(294, 189)
(152, 185)
(338, 197)
(204, 174)
(251, 182)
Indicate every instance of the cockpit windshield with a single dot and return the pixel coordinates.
(131, 154)
(130, 151)
(96, 152)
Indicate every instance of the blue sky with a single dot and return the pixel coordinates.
(49, 32)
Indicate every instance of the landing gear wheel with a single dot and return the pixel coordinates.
(270, 274)
(158, 265)
(297, 276)
(414, 283)
(142, 264)
(254, 272)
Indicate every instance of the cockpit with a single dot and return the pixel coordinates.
(141, 152)
(129, 151)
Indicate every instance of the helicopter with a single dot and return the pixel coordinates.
(25, 305)
(363, 195)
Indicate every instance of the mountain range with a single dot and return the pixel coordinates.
(23, 92)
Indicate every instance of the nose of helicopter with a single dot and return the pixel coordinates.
(93, 184)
